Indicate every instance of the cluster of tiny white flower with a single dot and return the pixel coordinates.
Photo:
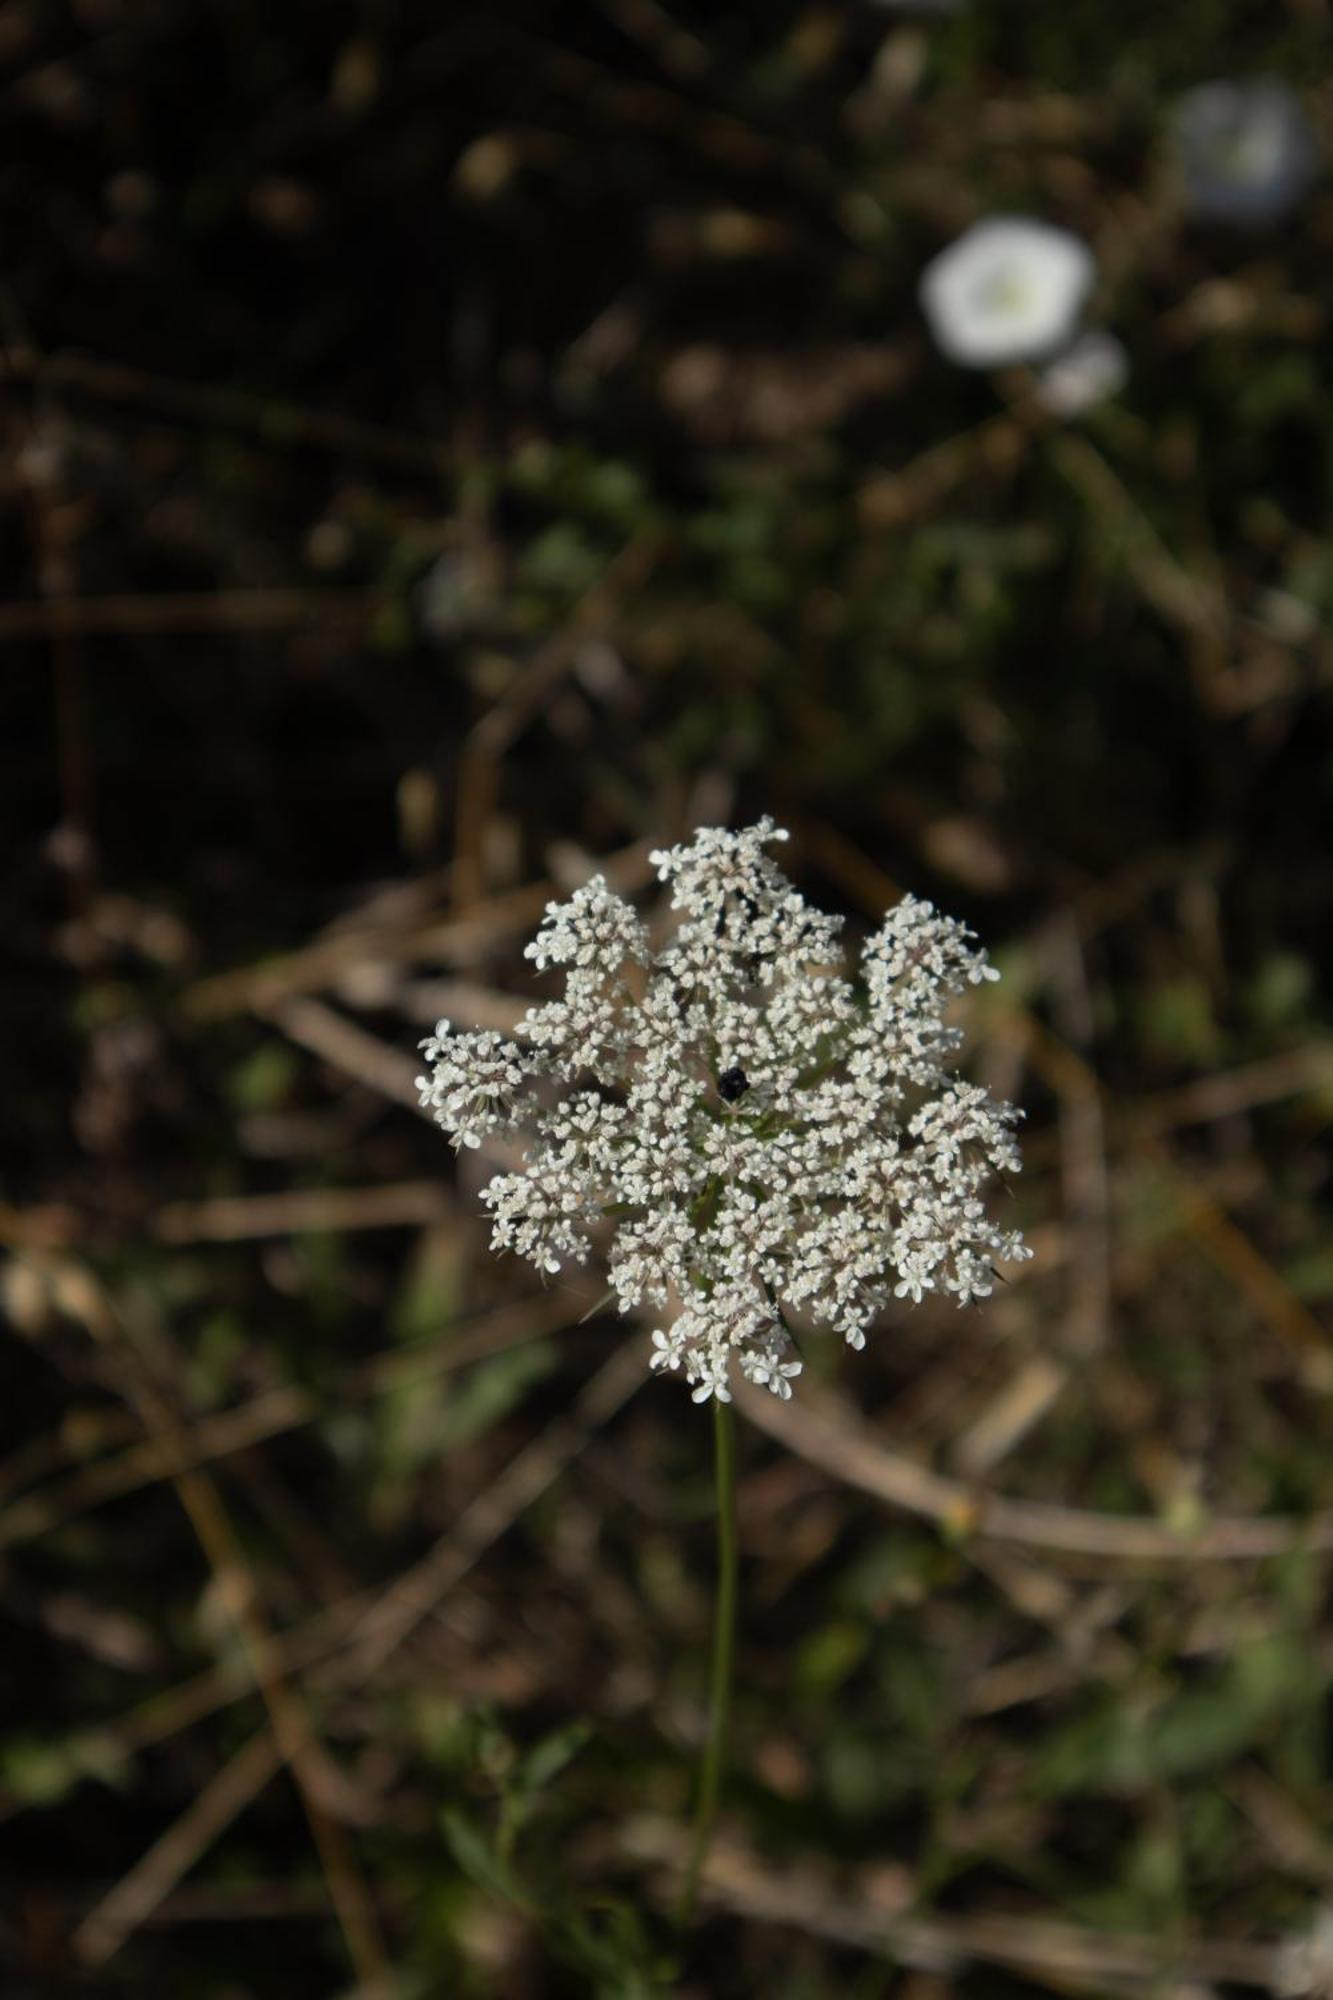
(760, 1141)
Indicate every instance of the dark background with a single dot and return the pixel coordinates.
(447, 446)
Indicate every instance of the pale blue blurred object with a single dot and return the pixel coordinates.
(1245, 150)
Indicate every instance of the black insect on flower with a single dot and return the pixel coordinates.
(732, 1085)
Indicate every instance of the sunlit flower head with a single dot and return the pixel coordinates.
(1245, 150)
(1010, 289)
(750, 1139)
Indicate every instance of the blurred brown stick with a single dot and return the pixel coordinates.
(481, 760)
(375, 1622)
(455, 939)
(241, 1218)
(1065, 1954)
(1228, 1092)
(830, 1436)
(411, 1598)
(380, 1066)
(184, 611)
(157, 1871)
(270, 420)
(290, 1722)
(277, 1412)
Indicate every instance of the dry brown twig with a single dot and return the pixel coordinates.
(270, 421)
(274, 610)
(241, 1218)
(382, 1068)
(1230, 1092)
(1071, 1957)
(455, 940)
(275, 1413)
(482, 756)
(128, 1905)
(346, 1643)
(830, 1436)
(412, 1596)
(353, 1639)
(299, 1747)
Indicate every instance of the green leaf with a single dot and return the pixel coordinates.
(477, 1858)
(547, 1759)
(828, 1657)
(612, 1950)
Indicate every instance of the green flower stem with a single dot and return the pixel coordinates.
(724, 1653)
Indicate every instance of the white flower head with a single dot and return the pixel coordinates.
(1009, 289)
(1245, 150)
(751, 1135)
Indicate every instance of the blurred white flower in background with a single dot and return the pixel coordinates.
(1090, 371)
(1245, 150)
(1010, 289)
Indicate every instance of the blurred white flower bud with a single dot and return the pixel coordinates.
(1095, 367)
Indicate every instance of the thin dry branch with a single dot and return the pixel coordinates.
(1233, 1091)
(240, 1218)
(481, 760)
(276, 424)
(132, 1901)
(355, 1639)
(830, 1436)
(325, 1032)
(455, 940)
(1070, 1956)
(365, 1628)
(289, 1718)
(415, 1594)
(275, 610)
(277, 1412)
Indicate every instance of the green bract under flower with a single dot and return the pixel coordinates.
(755, 1139)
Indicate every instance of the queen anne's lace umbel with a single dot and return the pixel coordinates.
(760, 1140)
